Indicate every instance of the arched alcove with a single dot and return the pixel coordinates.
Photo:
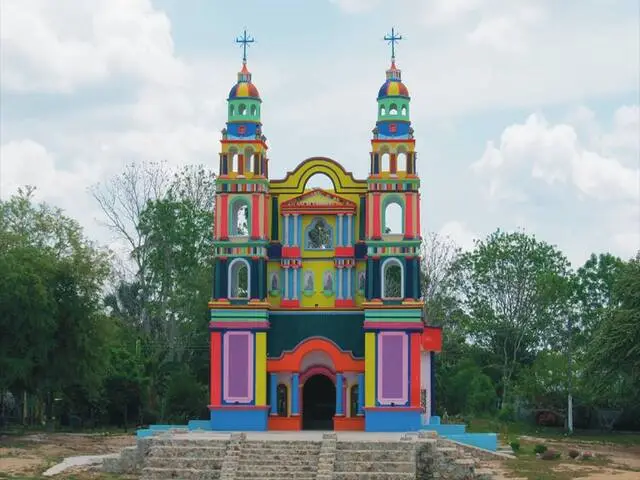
(393, 218)
(319, 180)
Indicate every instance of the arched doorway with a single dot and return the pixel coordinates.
(318, 403)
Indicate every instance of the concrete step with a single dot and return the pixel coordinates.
(277, 467)
(283, 457)
(186, 463)
(484, 474)
(373, 476)
(375, 455)
(375, 466)
(150, 473)
(186, 442)
(256, 474)
(177, 452)
(374, 445)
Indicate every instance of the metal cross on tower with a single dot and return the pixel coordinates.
(244, 40)
(392, 39)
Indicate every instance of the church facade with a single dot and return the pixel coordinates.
(316, 316)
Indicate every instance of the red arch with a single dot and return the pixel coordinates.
(292, 361)
(317, 370)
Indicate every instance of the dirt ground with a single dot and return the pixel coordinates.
(610, 462)
(26, 457)
(29, 455)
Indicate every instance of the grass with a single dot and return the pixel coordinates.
(513, 430)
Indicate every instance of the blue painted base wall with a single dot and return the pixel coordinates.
(230, 420)
(458, 433)
(392, 421)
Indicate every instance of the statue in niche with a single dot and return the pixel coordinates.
(274, 282)
(361, 281)
(308, 281)
(328, 282)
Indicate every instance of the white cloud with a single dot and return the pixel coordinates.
(357, 6)
(553, 154)
(459, 233)
(60, 47)
(26, 162)
(506, 31)
(537, 161)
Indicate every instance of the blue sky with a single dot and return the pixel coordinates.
(525, 112)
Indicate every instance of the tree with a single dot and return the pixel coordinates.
(122, 200)
(513, 289)
(614, 352)
(51, 323)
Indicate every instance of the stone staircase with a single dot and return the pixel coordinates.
(278, 460)
(184, 459)
(234, 457)
(373, 460)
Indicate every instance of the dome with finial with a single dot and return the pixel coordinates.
(393, 86)
(244, 88)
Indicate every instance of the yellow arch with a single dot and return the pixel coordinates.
(295, 181)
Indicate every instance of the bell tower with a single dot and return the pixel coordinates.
(393, 306)
(239, 308)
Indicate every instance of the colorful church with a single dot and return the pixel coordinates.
(317, 320)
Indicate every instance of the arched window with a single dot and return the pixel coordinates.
(319, 180)
(242, 109)
(382, 111)
(353, 400)
(248, 156)
(392, 279)
(239, 221)
(231, 110)
(403, 111)
(385, 162)
(239, 278)
(282, 407)
(319, 235)
(393, 109)
(308, 282)
(402, 161)
(393, 218)
(233, 161)
(254, 110)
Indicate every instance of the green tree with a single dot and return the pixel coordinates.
(514, 290)
(51, 323)
(613, 357)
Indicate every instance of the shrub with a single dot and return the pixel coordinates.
(574, 453)
(550, 455)
(515, 446)
(540, 448)
(506, 413)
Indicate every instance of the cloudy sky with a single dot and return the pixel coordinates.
(525, 111)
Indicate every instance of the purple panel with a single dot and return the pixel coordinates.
(392, 367)
(239, 366)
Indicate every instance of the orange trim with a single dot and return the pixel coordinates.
(348, 423)
(284, 423)
(292, 361)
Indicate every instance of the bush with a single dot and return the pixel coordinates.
(550, 455)
(574, 454)
(515, 446)
(539, 448)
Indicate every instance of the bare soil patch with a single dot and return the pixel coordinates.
(28, 456)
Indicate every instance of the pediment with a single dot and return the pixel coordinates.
(318, 200)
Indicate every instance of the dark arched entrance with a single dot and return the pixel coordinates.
(318, 403)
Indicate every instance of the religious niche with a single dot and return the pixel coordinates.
(327, 283)
(282, 400)
(307, 286)
(362, 278)
(353, 397)
(274, 284)
(319, 235)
